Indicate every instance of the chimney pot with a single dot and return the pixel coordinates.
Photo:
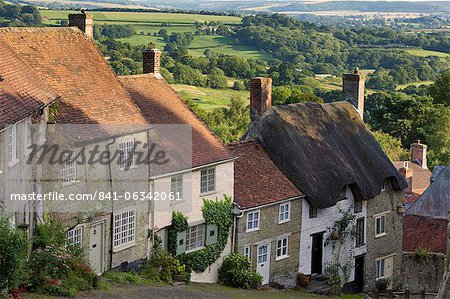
(84, 22)
(260, 96)
(151, 60)
(353, 90)
(407, 174)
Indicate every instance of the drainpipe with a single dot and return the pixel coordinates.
(112, 203)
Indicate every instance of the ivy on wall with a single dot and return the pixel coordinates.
(215, 212)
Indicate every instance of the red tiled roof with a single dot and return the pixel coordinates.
(160, 104)
(21, 91)
(424, 232)
(420, 179)
(70, 63)
(257, 180)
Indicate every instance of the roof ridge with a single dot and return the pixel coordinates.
(252, 140)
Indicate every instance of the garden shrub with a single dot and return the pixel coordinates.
(13, 256)
(162, 266)
(235, 271)
(57, 268)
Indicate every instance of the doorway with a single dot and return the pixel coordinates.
(263, 262)
(96, 247)
(359, 274)
(317, 254)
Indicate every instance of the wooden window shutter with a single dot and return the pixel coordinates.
(181, 242)
(211, 234)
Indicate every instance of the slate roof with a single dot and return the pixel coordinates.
(435, 201)
(322, 148)
(160, 104)
(21, 91)
(424, 232)
(70, 63)
(258, 181)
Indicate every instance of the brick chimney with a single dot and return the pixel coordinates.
(353, 90)
(260, 96)
(84, 22)
(407, 173)
(419, 154)
(151, 60)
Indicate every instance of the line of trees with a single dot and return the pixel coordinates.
(12, 15)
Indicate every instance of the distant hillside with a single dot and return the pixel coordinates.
(366, 6)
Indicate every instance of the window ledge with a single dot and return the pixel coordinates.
(208, 193)
(65, 184)
(252, 230)
(13, 162)
(360, 245)
(284, 221)
(280, 258)
(124, 246)
(195, 249)
(380, 235)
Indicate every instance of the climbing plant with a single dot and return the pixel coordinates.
(215, 212)
(342, 231)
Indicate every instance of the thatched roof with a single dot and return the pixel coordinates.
(322, 148)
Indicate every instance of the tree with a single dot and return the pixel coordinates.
(391, 146)
(438, 138)
(401, 116)
(440, 90)
(238, 85)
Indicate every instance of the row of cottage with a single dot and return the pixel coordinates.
(299, 170)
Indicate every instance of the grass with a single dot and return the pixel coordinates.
(144, 17)
(208, 98)
(414, 83)
(151, 22)
(426, 53)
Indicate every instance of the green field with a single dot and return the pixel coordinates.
(208, 98)
(144, 17)
(414, 83)
(148, 23)
(426, 53)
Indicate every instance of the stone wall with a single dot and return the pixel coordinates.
(389, 244)
(423, 273)
(283, 271)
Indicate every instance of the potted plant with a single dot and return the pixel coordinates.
(302, 279)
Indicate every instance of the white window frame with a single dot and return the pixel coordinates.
(284, 212)
(194, 240)
(27, 137)
(252, 223)
(124, 229)
(379, 234)
(75, 236)
(208, 180)
(380, 267)
(12, 145)
(126, 154)
(248, 252)
(176, 187)
(282, 250)
(69, 169)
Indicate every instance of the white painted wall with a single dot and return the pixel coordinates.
(192, 201)
(323, 222)
(191, 205)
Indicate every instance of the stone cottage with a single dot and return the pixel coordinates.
(330, 155)
(268, 209)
